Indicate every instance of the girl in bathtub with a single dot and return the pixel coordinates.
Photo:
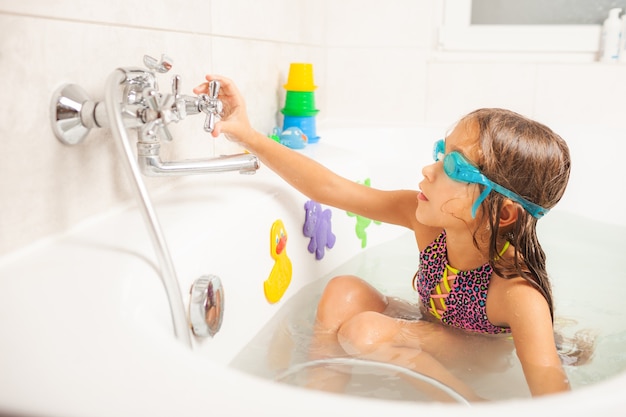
(482, 269)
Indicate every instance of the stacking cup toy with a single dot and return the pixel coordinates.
(305, 123)
(300, 103)
(299, 110)
(300, 77)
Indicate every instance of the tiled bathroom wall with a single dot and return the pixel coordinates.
(46, 187)
(375, 64)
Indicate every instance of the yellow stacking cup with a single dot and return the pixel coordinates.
(300, 77)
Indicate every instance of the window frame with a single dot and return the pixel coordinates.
(457, 34)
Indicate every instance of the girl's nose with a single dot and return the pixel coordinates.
(428, 171)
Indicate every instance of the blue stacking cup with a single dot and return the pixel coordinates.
(305, 123)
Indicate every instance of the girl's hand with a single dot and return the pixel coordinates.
(234, 122)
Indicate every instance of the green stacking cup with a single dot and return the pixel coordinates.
(300, 103)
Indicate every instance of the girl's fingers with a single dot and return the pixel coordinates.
(204, 87)
(220, 78)
(201, 89)
(227, 86)
(217, 130)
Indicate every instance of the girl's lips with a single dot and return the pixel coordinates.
(421, 196)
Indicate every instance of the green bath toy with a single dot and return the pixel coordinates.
(362, 223)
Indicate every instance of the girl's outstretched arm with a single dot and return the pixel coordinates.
(309, 177)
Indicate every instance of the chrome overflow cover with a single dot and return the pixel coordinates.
(206, 305)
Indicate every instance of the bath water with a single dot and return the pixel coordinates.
(589, 283)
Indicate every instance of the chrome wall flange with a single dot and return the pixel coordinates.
(69, 105)
(206, 306)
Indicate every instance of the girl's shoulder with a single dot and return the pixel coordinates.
(512, 299)
(425, 236)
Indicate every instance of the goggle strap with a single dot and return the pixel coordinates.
(535, 210)
(480, 199)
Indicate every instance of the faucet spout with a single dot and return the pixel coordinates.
(151, 165)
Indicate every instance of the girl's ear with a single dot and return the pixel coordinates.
(508, 213)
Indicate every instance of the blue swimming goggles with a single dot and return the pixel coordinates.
(460, 169)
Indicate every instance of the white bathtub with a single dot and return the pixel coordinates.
(86, 328)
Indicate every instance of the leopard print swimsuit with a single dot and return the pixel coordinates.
(465, 305)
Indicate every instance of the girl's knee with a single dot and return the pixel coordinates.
(344, 297)
(342, 282)
(366, 332)
(352, 289)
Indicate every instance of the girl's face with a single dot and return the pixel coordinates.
(443, 202)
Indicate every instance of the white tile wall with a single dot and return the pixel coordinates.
(191, 16)
(394, 23)
(373, 63)
(456, 88)
(376, 85)
(589, 93)
(46, 187)
(297, 22)
(583, 93)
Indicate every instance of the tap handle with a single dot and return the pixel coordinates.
(180, 104)
(152, 99)
(176, 85)
(211, 105)
(162, 66)
(158, 116)
(209, 122)
(214, 89)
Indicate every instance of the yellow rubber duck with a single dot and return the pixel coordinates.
(280, 276)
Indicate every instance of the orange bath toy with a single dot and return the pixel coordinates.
(280, 276)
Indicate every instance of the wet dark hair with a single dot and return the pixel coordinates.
(531, 160)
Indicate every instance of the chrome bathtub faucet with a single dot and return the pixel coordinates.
(175, 107)
(150, 112)
(133, 101)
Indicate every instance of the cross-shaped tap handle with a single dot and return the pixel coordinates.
(158, 105)
(211, 105)
(162, 66)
